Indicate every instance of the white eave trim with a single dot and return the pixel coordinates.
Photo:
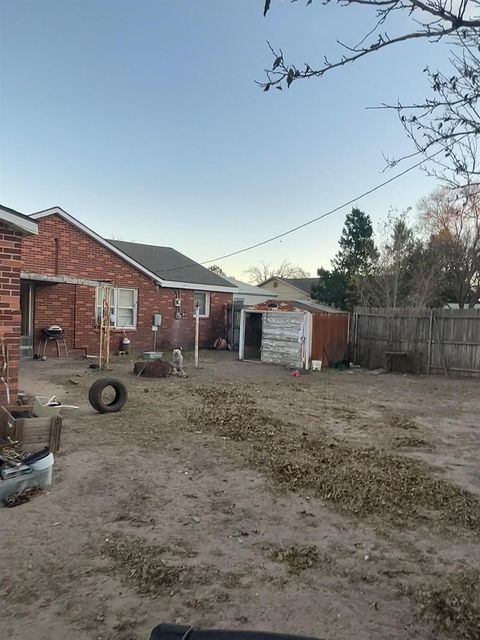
(172, 284)
(18, 222)
(169, 284)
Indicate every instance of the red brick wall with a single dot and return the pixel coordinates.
(10, 261)
(61, 249)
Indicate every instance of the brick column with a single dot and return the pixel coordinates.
(10, 264)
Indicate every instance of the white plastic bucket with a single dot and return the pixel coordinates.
(43, 471)
(316, 365)
(43, 463)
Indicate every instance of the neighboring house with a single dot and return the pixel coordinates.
(14, 227)
(63, 270)
(248, 294)
(290, 288)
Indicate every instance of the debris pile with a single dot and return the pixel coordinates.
(233, 414)
(359, 481)
(371, 481)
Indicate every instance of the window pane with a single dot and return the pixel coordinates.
(200, 302)
(126, 298)
(125, 318)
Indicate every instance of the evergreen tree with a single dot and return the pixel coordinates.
(354, 261)
(357, 249)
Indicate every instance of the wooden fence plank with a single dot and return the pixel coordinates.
(437, 340)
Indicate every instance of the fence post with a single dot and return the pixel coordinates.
(440, 347)
(429, 357)
(355, 335)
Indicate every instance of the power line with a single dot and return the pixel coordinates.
(308, 222)
(323, 215)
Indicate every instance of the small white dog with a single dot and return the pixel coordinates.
(178, 362)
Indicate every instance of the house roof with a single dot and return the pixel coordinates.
(302, 284)
(18, 221)
(312, 306)
(169, 264)
(251, 290)
(170, 271)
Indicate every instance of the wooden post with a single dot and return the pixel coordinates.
(197, 327)
(355, 333)
(440, 347)
(105, 323)
(429, 357)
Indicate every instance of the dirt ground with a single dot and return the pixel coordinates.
(341, 504)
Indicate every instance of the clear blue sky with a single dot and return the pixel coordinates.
(141, 118)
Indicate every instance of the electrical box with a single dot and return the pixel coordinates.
(157, 319)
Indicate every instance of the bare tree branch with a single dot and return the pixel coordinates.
(449, 119)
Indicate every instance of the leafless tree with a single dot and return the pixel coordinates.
(259, 273)
(444, 127)
(218, 270)
(452, 220)
(406, 272)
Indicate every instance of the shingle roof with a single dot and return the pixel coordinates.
(169, 264)
(305, 284)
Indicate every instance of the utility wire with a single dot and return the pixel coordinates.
(323, 215)
(308, 222)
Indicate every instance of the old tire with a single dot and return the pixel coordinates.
(95, 395)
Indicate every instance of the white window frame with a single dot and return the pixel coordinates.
(114, 308)
(207, 303)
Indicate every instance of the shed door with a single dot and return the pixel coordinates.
(283, 338)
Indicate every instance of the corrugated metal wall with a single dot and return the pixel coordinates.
(282, 338)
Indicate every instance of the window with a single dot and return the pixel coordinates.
(123, 307)
(202, 301)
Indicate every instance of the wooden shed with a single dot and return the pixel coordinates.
(293, 333)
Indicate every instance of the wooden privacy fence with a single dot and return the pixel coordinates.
(434, 340)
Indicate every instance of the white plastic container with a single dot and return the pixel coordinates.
(316, 365)
(43, 471)
(152, 355)
(41, 476)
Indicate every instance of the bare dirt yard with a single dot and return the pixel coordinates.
(339, 504)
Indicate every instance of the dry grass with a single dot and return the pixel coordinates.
(143, 566)
(401, 422)
(297, 557)
(411, 442)
(454, 606)
(358, 481)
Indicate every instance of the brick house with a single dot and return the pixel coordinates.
(14, 227)
(64, 267)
